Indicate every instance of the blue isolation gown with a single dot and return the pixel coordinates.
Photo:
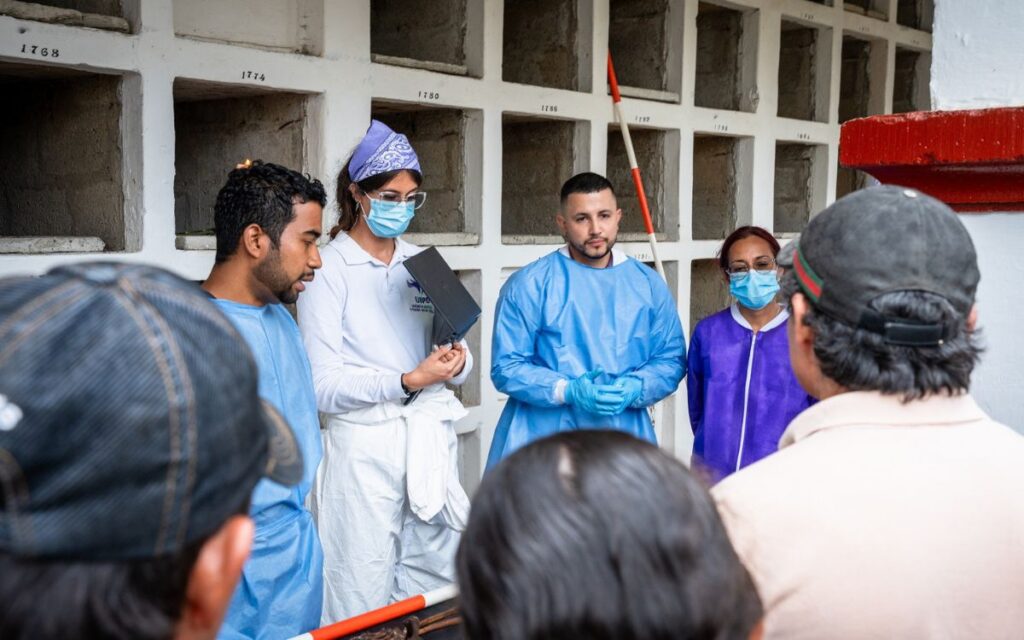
(557, 319)
(280, 593)
(742, 391)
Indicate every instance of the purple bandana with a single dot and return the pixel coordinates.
(381, 150)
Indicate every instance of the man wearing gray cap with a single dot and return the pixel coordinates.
(131, 437)
(893, 506)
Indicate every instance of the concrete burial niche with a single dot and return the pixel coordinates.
(448, 143)
(871, 8)
(61, 182)
(438, 35)
(537, 157)
(294, 26)
(218, 126)
(722, 183)
(657, 153)
(799, 185)
(95, 14)
(856, 85)
(805, 63)
(911, 77)
(709, 292)
(916, 14)
(726, 58)
(543, 43)
(646, 47)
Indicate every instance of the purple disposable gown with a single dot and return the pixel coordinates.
(742, 391)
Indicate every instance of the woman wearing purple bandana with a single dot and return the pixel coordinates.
(387, 498)
(741, 389)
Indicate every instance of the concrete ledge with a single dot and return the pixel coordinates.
(528, 239)
(51, 244)
(57, 15)
(443, 239)
(649, 94)
(428, 65)
(195, 243)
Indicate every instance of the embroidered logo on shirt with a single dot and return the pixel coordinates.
(422, 301)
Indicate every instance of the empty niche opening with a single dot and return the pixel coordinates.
(442, 139)
(721, 185)
(424, 34)
(218, 126)
(910, 81)
(646, 48)
(471, 458)
(709, 292)
(854, 101)
(469, 393)
(291, 26)
(871, 8)
(726, 58)
(96, 14)
(804, 66)
(537, 156)
(657, 154)
(61, 185)
(542, 44)
(916, 14)
(798, 185)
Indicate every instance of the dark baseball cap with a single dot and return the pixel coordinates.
(130, 420)
(881, 240)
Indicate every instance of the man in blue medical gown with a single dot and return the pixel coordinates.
(585, 337)
(268, 219)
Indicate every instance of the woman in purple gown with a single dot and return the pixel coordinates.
(742, 392)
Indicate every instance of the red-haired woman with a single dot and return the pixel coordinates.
(742, 391)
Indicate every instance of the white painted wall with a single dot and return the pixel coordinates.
(977, 62)
(977, 56)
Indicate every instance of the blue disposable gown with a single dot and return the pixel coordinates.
(281, 591)
(742, 391)
(557, 319)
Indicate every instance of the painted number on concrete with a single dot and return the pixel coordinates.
(254, 75)
(429, 95)
(549, 108)
(721, 127)
(42, 52)
(642, 119)
(803, 136)
(809, 16)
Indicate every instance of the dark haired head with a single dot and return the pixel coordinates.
(585, 183)
(859, 360)
(598, 535)
(348, 209)
(261, 193)
(743, 233)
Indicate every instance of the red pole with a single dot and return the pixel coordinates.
(380, 616)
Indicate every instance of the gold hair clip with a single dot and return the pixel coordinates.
(246, 164)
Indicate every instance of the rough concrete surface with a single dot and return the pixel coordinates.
(794, 168)
(97, 14)
(708, 291)
(60, 161)
(438, 136)
(649, 146)
(719, 33)
(419, 29)
(797, 81)
(278, 25)
(212, 136)
(714, 187)
(539, 44)
(536, 158)
(638, 37)
(905, 89)
(854, 79)
(916, 14)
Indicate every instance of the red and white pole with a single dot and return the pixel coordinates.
(379, 616)
(633, 167)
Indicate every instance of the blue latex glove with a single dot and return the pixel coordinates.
(602, 399)
(632, 390)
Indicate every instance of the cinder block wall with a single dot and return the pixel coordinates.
(735, 119)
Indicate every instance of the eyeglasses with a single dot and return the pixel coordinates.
(739, 268)
(393, 197)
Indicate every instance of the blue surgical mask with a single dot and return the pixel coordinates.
(389, 219)
(754, 289)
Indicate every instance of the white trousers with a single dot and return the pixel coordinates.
(376, 550)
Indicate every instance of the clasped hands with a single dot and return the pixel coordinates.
(603, 399)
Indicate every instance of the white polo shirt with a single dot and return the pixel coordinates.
(364, 324)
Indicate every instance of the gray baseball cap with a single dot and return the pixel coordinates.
(130, 419)
(881, 240)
